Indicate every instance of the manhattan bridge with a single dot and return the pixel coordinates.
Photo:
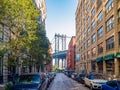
(59, 46)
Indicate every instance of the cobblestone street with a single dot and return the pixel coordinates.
(62, 82)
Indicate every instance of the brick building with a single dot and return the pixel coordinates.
(71, 54)
(98, 36)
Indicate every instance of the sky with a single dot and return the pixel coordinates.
(60, 17)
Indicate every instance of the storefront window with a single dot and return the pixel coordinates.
(110, 66)
(93, 63)
(100, 67)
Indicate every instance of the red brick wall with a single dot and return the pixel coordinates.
(71, 54)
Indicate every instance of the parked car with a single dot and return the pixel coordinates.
(28, 82)
(69, 72)
(74, 76)
(111, 85)
(93, 82)
(81, 78)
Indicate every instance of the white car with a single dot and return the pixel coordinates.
(94, 83)
(97, 84)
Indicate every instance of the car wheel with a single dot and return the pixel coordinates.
(91, 88)
(102, 89)
(85, 85)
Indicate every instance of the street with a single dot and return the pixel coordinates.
(62, 82)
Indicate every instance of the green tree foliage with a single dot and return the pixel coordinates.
(39, 47)
(20, 18)
(55, 68)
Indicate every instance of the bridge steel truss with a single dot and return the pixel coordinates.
(60, 49)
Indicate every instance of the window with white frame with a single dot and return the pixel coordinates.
(93, 12)
(93, 38)
(110, 43)
(110, 24)
(109, 5)
(88, 31)
(100, 32)
(100, 17)
(88, 42)
(93, 25)
(88, 20)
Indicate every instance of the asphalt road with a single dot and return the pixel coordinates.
(62, 82)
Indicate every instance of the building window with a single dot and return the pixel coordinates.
(99, 3)
(100, 17)
(85, 46)
(93, 52)
(119, 15)
(1, 35)
(119, 37)
(110, 43)
(109, 5)
(110, 24)
(93, 12)
(93, 25)
(93, 38)
(88, 54)
(93, 1)
(88, 31)
(88, 20)
(88, 42)
(1, 32)
(100, 32)
(88, 8)
(85, 35)
(100, 48)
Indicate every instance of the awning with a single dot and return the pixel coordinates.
(99, 59)
(108, 57)
(117, 55)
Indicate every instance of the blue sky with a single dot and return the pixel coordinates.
(60, 17)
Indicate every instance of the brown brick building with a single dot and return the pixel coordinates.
(71, 54)
(98, 36)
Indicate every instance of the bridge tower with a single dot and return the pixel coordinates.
(60, 45)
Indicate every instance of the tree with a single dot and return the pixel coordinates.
(27, 36)
(55, 68)
(19, 17)
(40, 46)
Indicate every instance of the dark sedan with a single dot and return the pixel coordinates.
(28, 82)
(111, 85)
(81, 78)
